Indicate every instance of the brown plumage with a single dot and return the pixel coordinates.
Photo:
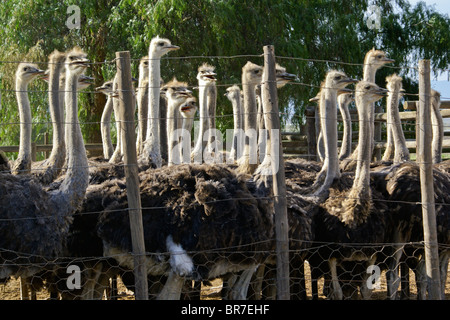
(214, 214)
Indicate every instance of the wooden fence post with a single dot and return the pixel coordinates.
(426, 182)
(270, 107)
(311, 132)
(126, 115)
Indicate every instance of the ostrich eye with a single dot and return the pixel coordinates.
(25, 69)
(160, 44)
(367, 87)
(338, 78)
(380, 56)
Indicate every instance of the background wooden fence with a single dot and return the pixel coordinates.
(303, 143)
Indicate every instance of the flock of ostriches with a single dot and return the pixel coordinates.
(207, 221)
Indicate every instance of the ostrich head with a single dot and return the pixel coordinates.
(368, 92)
(206, 74)
(435, 98)
(377, 58)
(107, 89)
(252, 73)
(176, 91)
(394, 83)
(233, 93)
(26, 72)
(143, 68)
(160, 46)
(282, 76)
(76, 61)
(345, 98)
(337, 80)
(189, 108)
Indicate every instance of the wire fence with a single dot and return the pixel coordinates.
(88, 270)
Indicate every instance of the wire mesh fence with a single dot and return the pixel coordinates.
(310, 277)
(368, 272)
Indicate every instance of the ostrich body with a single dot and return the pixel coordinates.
(176, 93)
(193, 214)
(207, 103)
(187, 110)
(105, 124)
(152, 151)
(234, 95)
(142, 103)
(251, 77)
(25, 73)
(349, 216)
(35, 222)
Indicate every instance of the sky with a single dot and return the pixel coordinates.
(442, 84)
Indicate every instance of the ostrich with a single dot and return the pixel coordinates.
(26, 72)
(105, 124)
(282, 78)
(176, 93)
(207, 103)
(234, 95)
(344, 99)
(251, 77)
(334, 81)
(395, 133)
(49, 169)
(152, 152)
(187, 110)
(142, 103)
(374, 60)
(45, 215)
(349, 216)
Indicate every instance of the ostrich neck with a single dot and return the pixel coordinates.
(172, 134)
(203, 115)
(142, 102)
(328, 122)
(369, 72)
(347, 134)
(23, 162)
(401, 152)
(361, 182)
(438, 131)
(250, 113)
(211, 98)
(56, 113)
(105, 126)
(72, 190)
(237, 115)
(152, 148)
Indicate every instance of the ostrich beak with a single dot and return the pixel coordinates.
(348, 80)
(381, 92)
(172, 47)
(287, 76)
(86, 79)
(387, 60)
(36, 71)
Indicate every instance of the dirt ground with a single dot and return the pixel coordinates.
(11, 289)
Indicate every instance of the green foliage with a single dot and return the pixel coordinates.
(314, 29)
